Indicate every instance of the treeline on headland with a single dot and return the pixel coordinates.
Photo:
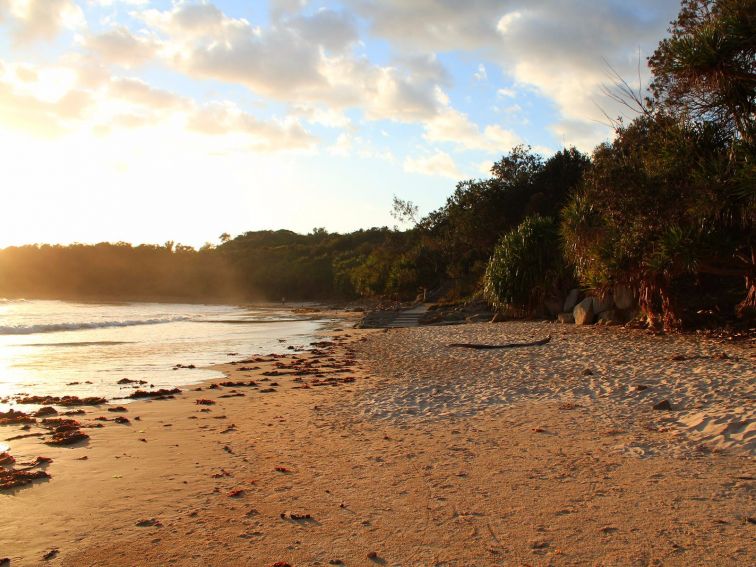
(666, 211)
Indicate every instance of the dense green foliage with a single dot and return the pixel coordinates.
(526, 265)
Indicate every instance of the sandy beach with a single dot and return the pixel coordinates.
(391, 448)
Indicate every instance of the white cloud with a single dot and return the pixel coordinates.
(481, 74)
(438, 164)
(223, 118)
(456, 127)
(120, 47)
(506, 92)
(556, 48)
(140, 93)
(37, 20)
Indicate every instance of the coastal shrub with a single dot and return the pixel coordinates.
(661, 208)
(526, 264)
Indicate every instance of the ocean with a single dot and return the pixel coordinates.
(84, 349)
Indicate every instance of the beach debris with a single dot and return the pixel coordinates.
(283, 470)
(44, 411)
(281, 564)
(372, 555)
(6, 458)
(74, 412)
(4, 561)
(161, 393)
(50, 554)
(663, 405)
(123, 420)
(204, 402)
(65, 401)
(640, 387)
(236, 493)
(37, 462)
(230, 384)
(128, 381)
(296, 517)
(24, 436)
(222, 473)
(335, 562)
(13, 478)
(117, 409)
(13, 417)
(267, 390)
(68, 437)
(228, 449)
(587, 372)
(508, 345)
(185, 366)
(149, 522)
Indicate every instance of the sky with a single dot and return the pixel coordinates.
(148, 121)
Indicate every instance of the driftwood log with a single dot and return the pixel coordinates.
(510, 345)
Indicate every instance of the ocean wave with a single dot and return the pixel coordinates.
(58, 327)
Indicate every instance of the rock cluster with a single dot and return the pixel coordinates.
(610, 308)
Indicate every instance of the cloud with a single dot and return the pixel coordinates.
(481, 74)
(456, 127)
(301, 60)
(120, 47)
(138, 92)
(432, 26)
(223, 118)
(438, 164)
(557, 48)
(24, 110)
(40, 20)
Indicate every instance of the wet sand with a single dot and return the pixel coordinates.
(546, 455)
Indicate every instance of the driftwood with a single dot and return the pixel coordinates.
(510, 345)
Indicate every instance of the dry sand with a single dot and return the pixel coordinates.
(433, 456)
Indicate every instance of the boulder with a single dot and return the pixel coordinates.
(571, 301)
(566, 318)
(603, 303)
(623, 296)
(553, 306)
(583, 312)
(609, 317)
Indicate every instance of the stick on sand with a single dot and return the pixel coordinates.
(510, 345)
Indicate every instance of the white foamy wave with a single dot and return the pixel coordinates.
(57, 327)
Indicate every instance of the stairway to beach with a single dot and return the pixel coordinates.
(408, 318)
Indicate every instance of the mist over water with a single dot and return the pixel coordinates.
(83, 349)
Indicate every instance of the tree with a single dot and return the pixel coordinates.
(706, 69)
(526, 264)
(404, 211)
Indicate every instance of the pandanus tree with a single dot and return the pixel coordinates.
(706, 72)
(706, 69)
